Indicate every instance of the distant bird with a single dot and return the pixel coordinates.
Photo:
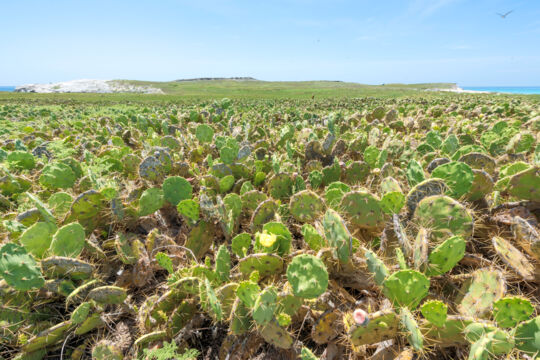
(503, 16)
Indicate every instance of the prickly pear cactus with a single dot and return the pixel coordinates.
(426, 188)
(435, 312)
(525, 185)
(446, 255)
(19, 269)
(514, 258)
(265, 306)
(308, 276)
(410, 327)
(376, 267)
(406, 288)
(382, 325)
(337, 235)
(480, 292)
(37, 238)
(68, 240)
(457, 175)
(511, 310)
(57, 176)
(444, 216)
(151, 201)
(363, 210)
(108, 295)
(305, 206)
(176, 189)
(265, 264)
(526, 335)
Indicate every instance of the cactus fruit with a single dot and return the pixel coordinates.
(525, 185)
(337, 235)
(108, 295)
(308, 276)
(445, 216)
(382, 325)
(435, 312)
(514, 258)
(19, 269)
(410, 326)
(363, 210)
(511, 310)
(482, 185)
(68, 240)
(406, 288)
(377, 267)
(265, 264)
(426, 188)
(457, 175)
(37, 238)
(305, 206)
(480, 292)
(446, 255)
(275, 335)
(265, 306)
(264, 213)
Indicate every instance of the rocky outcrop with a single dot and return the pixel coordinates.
(88, 86)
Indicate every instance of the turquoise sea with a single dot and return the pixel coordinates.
(7, 88)
(506, 89)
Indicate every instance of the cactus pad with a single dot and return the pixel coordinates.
(264, 213)
(509, 311)
(410, 326)
(525, 185)
(151, 201)
(19, 269)
(426, 188)
(305, 206)
(479, 161)
(58, 266)
(308, 276)
(382, 325)
(176, 189)
(446, 255)
(435, 312)
(37, 238)
(406, 288)
(108, 295)
(527, 335)
(265, 264)
(445, 216)
(376, 267)
(514, 258)
(457, 175)
(481, 291)
(68, 240)
(325, 328)
(265, 306)
(482, 185)
(337, 235)
(363, 210)
(275, 335)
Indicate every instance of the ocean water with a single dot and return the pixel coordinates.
(506, 89)
(7, 88)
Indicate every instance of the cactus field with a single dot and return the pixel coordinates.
(382, 227)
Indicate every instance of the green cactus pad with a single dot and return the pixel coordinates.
(280, 186)
(58, 266)
(60, 203)
(108, 295)
(392, 202)
(68, 240)
(86, 206)
(240, 244)
(487, 339)
(382, 325)
(446, 255)
(204, 133)
(151, 200)
(424, 189)
(514, 258)
(525, 185)
(526, 336)
(57, 176)
(479, 161)
(80, 313)
(509, 311)
(457, 175)
(176, 189)
(376, 267)
(272, 333)
(19, 159)
(415, 173)
(306, 354)
(189, 209)
(223, 263)
(410, 326)
(406, 288)
(209, 300)
(305, 206)
(444, 216)
(435, 312)
(47, 337)
(37, 238)
(201, 238)
(19, 269)
(356, 172)
(448, 335)
(312, 237)
(482, 185)
(105, 350)
(308, 276)
(363, 210)
(337, 235)
(265, 264)
(526, 236)
(480, 292)
(265, 306)
(240, 318)
(264, 213)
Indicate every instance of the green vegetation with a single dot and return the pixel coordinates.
(188, 225)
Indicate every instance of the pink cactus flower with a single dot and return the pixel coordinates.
(360, 317)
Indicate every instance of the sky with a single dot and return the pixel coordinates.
(371, 42)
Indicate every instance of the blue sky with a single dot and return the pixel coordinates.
(369, 42)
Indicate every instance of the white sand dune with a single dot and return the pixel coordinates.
(88, 86)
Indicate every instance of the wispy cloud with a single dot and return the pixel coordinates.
(426, 8)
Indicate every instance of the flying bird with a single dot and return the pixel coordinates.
(503, 16)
